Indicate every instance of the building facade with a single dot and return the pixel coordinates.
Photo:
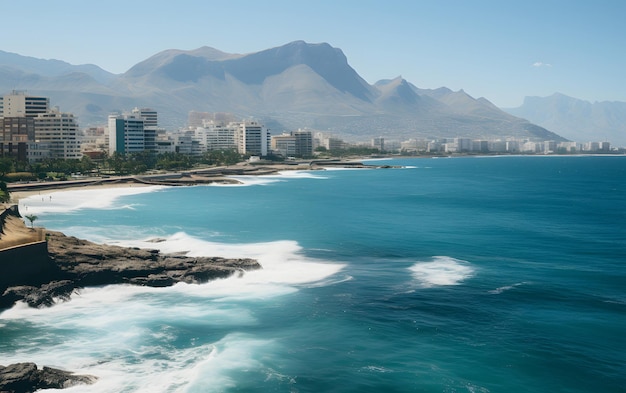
(253, 139)
(16, 133)
(58, 133)
(217, 136)
(126, 134)
(19, 104)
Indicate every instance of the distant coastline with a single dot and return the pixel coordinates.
(211, 175)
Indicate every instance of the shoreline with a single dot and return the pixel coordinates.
(199, 176)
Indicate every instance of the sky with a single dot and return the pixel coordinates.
(498, 49)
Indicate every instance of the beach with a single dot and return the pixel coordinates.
(210, 175)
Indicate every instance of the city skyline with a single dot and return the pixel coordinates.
(497, 50)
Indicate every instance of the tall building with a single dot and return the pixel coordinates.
(217, 135)
(284, 145)
(150, 117)
(304, 143)
(298, 143)
(150, 126)
(253, 138)
(59, 134)
(16, 133)
(378, 143)
(126, 134)
(18, 104)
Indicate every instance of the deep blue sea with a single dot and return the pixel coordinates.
(469, 274)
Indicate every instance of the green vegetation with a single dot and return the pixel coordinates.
(12, 170)
(31, 218)
(4, 192)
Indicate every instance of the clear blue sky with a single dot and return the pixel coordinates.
(498, 49)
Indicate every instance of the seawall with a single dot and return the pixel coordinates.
(24, 255)
(26, 264)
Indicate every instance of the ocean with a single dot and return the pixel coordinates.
(468, 274)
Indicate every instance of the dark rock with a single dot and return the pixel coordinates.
(80, 263)
(26, 378)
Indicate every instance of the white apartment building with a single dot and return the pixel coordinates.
(284, 145)
(150, 117)
(253, 138)
(126, 134)
(297, 143)
(18, 104)
(378, 143)
(58, 133)
(217, 136)
(186, 143)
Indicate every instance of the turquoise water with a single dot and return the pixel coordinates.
(493, 274)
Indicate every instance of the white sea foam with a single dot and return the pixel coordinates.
(283, 266)
(302, 174)
(205, 368)
(75, 199)
(263, 180)
(336, 168)
(442, 270)
(499, 290)
(125, 334)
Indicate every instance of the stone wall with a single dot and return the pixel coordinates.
(28, 263)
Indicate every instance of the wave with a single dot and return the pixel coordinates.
(441, 271)
(330, 169)
(130, 336)
(263, 180)
(134, 358)
(302, 174)
(282, 262)
(66, 201)
(499, 290)
(247, 181)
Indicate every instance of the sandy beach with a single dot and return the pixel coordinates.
(16, 196)
(185, 178)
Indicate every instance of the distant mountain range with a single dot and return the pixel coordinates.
(293, 86)
(576, 119)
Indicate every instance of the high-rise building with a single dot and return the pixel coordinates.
(304, 143)
(298, 143)
(59, 134)
(126, 134)
(253, 138)
(149, 115)
(378, 143)
(284, 145)
(217, 135)
(16, 133)
(18, 104)
(150, 126)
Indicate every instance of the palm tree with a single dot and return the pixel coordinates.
(31, 218)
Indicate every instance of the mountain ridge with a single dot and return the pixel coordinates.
(292, 86)
(576, 119)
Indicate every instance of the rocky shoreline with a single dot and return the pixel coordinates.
(27, 378)
(44, 272)
(75, 263)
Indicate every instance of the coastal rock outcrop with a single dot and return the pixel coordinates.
(76, 263)
(26, 378)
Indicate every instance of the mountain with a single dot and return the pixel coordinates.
(21, 65)
(293, 86)
(577, 119)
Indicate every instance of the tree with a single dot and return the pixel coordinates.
(31, 218)
(4, 192)
(6, 164)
